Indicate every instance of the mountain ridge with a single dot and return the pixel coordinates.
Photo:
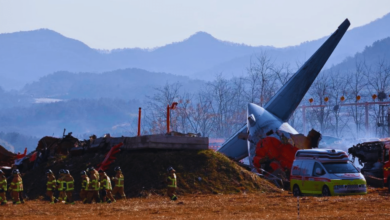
(27, 56)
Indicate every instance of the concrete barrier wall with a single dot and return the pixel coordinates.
(166, 142)
(156, 142)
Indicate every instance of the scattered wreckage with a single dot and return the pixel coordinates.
(52, 149)
(262, 138)
(374, 159)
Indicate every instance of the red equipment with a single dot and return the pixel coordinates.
(279, 155)
(109, 158)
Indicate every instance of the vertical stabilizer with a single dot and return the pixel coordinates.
(287, 99)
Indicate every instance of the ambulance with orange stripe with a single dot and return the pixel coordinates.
(325, 172)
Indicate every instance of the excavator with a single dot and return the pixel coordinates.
(267, 139)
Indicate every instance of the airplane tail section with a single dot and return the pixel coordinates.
(284, 103)
(235, 147)
(287, 99)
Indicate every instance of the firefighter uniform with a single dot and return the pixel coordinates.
(51, 186)
(69, 185)
(93, 186)
(105, 188)
(16, 187)
(84, 186)
(119, 181)
(172, 184)
(3, 188)
(61, 186)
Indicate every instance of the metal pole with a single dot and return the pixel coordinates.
(388, 121)
(366, 121)
(298, 205)
(304, 118)
(139, 122)
(168, 118)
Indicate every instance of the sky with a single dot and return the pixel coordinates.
(110, 24)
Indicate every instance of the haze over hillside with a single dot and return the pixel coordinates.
(126, 84)
(27, 56)
(372, 55)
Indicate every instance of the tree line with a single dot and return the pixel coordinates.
(219, 109)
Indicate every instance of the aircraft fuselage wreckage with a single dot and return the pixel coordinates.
(267, 139)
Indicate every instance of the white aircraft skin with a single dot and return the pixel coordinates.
(272, 119)
(260, 123)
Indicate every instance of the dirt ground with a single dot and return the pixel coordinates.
(375, 205)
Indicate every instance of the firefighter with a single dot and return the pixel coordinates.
(93, 186)
(84, 186)
(69, 185)
(61, 186)
(119, 183)
(51, 186)
(172, 184)
(105, 188)
(16, 187)
(3, 188)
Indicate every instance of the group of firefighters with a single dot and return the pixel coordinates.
(95, 186)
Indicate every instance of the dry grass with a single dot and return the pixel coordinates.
(236, 206)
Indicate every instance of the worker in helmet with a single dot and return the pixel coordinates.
(51, 186)
(84, 185)
(61, 186)
(105, 188)
(119, 181)
(172, 184)
(16, 187)
(3, 188)
(93, 186)
(69, 185)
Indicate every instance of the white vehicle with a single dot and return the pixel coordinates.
(325, 172)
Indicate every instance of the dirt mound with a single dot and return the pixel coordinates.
(202, 172)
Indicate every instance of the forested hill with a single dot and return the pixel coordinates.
(372, 56)
(123, 84)
(27, 56)
(354, 41)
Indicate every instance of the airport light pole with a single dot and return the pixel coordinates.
(139, 122)
(173, 106)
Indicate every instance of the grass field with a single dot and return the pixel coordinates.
(375, 205)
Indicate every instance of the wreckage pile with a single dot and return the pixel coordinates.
(198, 171)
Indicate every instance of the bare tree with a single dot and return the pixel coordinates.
(157, 106)
(222, 94)
(378, 76)
(338, 87)
(320, 90)
(357, 83)
(283, 73)
(260, 79)
(201, 115)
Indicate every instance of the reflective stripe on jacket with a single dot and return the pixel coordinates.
(94, 182)
(119, 180)
(172, 181)
(69, 185)
(51, 183)
(3, 183)
(61, 184)
(69, 182)
(84, 183)
(105, 183)
(17, 184)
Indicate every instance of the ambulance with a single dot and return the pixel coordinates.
(325, 172)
